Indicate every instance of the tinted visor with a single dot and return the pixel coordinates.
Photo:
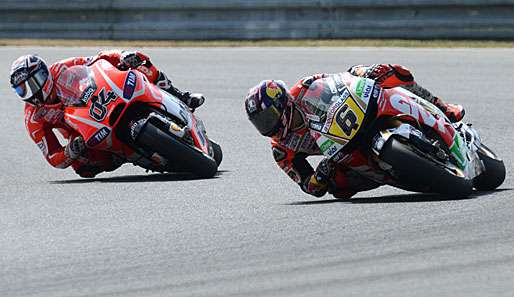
(32, 85)
(266, 121)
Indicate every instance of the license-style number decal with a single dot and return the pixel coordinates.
(347, 120)
(98, 109)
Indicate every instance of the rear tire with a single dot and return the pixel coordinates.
(421, 174)
(494, 173)
(154, 139)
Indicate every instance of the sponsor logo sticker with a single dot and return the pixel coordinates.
(42, 146)
(273, 91)
(130, 85)
(360, 86)
(98, 137)
(367, 91)
(316, 126)
(88, 93)
(325, 145)
(251, 106)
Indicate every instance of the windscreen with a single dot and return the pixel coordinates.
(322, 94)
(75, 86)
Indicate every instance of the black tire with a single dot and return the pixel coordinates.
(494, 173)
(154, 139)
(421, 174)
(218, 153)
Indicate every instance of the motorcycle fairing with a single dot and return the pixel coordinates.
(400, 102)
(179, 109)
(117, 90)
(97, 131)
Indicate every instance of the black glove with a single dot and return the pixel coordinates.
(325, 171)
(319, 182)
(307, 82)
(132, 60)
(314, 187)
(194, 100)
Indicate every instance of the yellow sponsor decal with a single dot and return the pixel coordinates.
(273, 90)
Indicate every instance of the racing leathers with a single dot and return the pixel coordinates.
(45, 120)
(294, 143)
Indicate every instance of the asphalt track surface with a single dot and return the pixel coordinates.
(251, 231)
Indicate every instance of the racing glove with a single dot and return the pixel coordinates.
(194, 100)
(141, 62)
(314, 187)
(132, 60)
(307, 82)
(389, 75)
(318, 183)
(326, 170)
(75, 148)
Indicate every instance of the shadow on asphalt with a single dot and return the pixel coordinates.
(403, 198)
(141, 178)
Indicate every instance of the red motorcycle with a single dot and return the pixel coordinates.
(409, 143)
(121, 112)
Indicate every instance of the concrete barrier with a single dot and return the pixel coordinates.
(252, 19)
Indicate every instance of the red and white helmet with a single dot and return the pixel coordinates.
(31, 79)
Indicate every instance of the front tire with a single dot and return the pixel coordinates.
(422, 174)
(176, 152)
(217, 152)
(494, 173)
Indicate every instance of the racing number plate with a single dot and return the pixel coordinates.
(347, 120)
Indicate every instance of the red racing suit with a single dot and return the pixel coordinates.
(291, 150)
(43, 121)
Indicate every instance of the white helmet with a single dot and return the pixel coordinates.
(31, 79)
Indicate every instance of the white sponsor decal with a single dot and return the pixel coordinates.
(42, 146)
(252, 107)
(401, 104)
(366, 92)
(332, 85)
(332, 149)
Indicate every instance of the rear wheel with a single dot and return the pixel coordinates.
(176, 152)
(421, 174)
(494, 173)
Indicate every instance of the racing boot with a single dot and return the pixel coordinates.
(454, 112)
(192, 100)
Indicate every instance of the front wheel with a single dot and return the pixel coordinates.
(177, 153)
(416, 172)
(494, 173)
(217, 152)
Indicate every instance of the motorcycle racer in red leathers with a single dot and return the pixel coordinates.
(276, 113)
(34, 82)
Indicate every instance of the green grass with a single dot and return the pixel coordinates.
(264, 43)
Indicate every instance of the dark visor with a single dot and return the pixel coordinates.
(266, 121)
(28, 88)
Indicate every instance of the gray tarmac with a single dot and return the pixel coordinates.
(251, 231)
